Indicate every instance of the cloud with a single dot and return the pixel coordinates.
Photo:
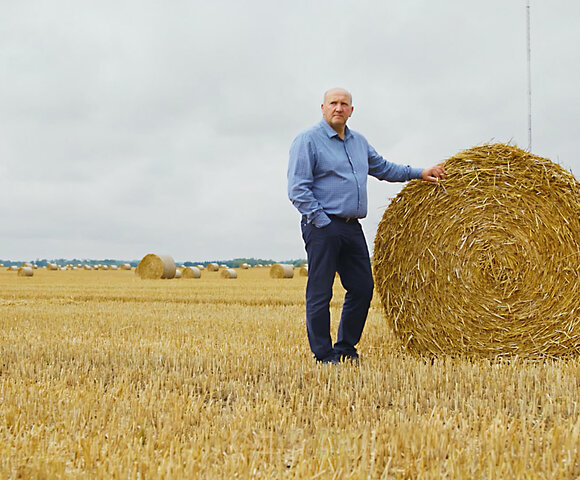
(131, 127)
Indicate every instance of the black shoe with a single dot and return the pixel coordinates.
(333, 359)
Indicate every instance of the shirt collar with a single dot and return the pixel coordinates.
(331, 132)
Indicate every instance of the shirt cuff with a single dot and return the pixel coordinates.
(415, 173)
(319, 219)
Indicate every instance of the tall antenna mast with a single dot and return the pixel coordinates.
(529, 48)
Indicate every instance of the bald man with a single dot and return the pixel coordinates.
(327, 182)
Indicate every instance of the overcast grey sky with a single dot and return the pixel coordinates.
(139, 126)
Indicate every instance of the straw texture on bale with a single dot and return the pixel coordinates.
(25, 272)
(229, 273)
(190, 272)
(282, 270)
(485, 262)
(154, 266)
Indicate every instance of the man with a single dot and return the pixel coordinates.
(327, 175)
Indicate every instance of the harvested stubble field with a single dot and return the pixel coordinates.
(104, 375)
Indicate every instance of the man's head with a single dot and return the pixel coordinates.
(337, 108)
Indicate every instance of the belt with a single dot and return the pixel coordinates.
(343, 219)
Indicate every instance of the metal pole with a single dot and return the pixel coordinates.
(529, 48)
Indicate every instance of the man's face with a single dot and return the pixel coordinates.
(337, 108)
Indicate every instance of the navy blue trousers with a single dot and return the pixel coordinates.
(341, 248)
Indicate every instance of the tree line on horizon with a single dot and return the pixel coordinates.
(233, 263)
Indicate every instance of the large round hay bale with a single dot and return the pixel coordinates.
(303, 270)
(212, 267)
(229, 273)
(25, 272)
(282, 270)
(487, 261)
(154, 266)
(190, 272)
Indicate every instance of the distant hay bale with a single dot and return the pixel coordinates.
(154, 266)
(201, 267)
(51, 266)
(25, 272)
(282, 270)
(190, 272)
(303, 270)
(229, 273)
(125, 266)
(245, 266)
(485, 262)
(177, 273)
(12, 268)
(212, 267)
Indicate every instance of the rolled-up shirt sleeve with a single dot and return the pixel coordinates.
(300, 181)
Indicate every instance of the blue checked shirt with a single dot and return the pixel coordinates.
(328, 176)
